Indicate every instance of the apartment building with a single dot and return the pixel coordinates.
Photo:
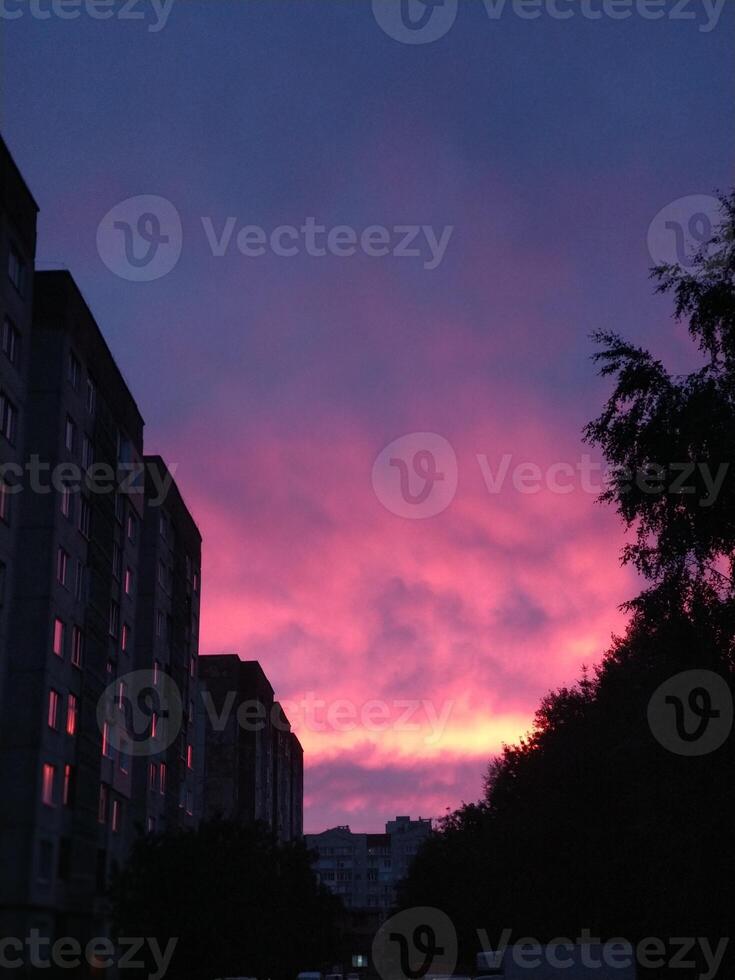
(364, 869)
(167, 788)
(100, 577)
(18, 213)
(253, 762)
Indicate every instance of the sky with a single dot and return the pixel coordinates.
(383, 452)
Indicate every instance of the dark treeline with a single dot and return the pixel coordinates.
(590, 822)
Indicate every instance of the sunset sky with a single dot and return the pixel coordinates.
(274, 383)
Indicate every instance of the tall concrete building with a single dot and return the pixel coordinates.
(253, 762)
(18, 213)
(167, 626)
(101, 576)
(364, 869)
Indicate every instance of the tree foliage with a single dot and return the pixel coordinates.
(238, 902)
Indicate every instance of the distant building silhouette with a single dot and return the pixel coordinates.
(254, 763)
(364, 869)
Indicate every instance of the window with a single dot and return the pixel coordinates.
(161, 574)
(107, 750)
(119, 507)
(72, 714)
(189, 757)
(64, 858)
(62, 565)
(91, 397)
(45, 861)
(156, 672)
(151, 825)
(80, 581)
(154, 725)
(87, 452)
(160, 620)
(189, 803)
(85, 516)
(53, 709)
(69, 785)
(4, 502)
(128, 585)
(70, 433)
(17, 270)
(124, 637)
(77, 646)
(11, 340)
(131, 527)
(66, 503)
(2, 582)
(124, 756)
(74, 371)
(117, 558)
(122, 692)
(102, 805)
(8, 418)
(162, 526)
(116, 809)
(48, 784)
(162, 781)
(152, 773)
(59, 631)
(196, 580)
(114, 624)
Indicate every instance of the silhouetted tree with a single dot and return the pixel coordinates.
(238, 902)
(589, 822)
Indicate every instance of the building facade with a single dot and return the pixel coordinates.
(102, 576)
(253, 762)
(364, 869)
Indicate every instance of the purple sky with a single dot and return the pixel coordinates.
(406, 649)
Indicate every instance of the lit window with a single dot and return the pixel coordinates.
(77, 646)
(189, 757)
(124, 637)
(163, 779)
(8, 418)
(156, 672)
(53, 709)
(62, 565)
(107, 749)
(11, 340)
(154, 725)
(72, 714)
(48, 784)
(122, 691)
(69, 785)
(115, 816)
(152, 773)
(59, 631)
(70, 434)
(128, 581)
(131, 527)
(102, 804)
